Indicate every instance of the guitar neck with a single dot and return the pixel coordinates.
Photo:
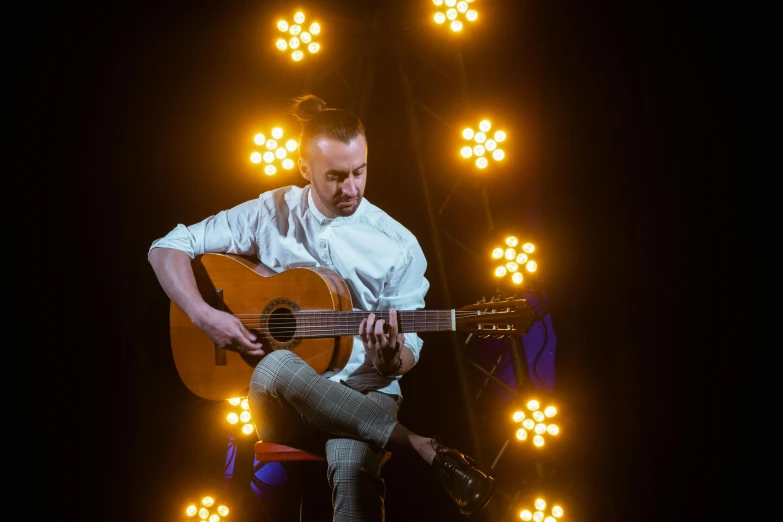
(325, 323)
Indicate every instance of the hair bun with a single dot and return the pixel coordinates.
(307, 106)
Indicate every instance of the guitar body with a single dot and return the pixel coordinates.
(259, 296)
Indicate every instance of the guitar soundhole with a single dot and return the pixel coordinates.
(282, 325)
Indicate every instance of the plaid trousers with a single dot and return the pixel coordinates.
(292, 404)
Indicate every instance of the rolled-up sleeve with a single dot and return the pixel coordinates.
(406, 290)
(231, 231)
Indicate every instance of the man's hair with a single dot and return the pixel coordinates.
(319, 120)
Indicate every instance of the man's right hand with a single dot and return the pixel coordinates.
(227, 331)
(175, 273)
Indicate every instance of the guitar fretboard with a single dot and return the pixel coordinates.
(326, 323)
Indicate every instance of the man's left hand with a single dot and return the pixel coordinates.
(382, 349)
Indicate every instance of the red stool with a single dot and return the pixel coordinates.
(270, 452)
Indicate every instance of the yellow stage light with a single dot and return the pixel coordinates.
(454, 11)
(239, 415)
(509, 260)
(535, 423)
(538, 512)
(298, 36)
(276, 155)
(207, 511)
(483, 144)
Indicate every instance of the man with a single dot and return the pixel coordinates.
(329, 224)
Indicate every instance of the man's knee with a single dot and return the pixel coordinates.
(272, 369)
(278, 358)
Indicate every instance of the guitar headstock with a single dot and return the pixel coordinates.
(496, 317)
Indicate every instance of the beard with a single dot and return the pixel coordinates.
(346, 206)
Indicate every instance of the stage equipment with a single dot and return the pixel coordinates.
(276, 152)
(483, 144)
(207, 511)
(454, 12)
(297, 38)
(535, 425)
(512, 260)
(541, 511)
(239, 415)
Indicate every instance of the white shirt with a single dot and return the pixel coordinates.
(379, 259)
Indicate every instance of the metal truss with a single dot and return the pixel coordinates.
(435, 85)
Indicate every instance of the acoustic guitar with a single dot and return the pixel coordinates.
(306, 310)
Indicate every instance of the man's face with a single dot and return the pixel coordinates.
(337, 172)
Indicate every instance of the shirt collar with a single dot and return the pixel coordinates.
(339, 220)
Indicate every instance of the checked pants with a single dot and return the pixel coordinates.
(292, 404)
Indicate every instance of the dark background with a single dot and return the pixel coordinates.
(636, 173)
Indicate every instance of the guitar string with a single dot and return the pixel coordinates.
(339, 319)
(302, 333)
(285, 325)
(344, 322)
(330, 332)
(354, 314)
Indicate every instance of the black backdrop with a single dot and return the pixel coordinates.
(125, 119)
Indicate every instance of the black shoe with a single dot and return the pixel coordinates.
(470, 488)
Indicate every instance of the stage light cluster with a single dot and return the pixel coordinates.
(297, 37)
(482, 144)
(534, 423)
(242, 416)
(538, 514)
(454, 11)
(207, 510)
(276, 154)
(514, 261)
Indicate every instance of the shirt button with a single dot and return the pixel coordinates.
(322, 244)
